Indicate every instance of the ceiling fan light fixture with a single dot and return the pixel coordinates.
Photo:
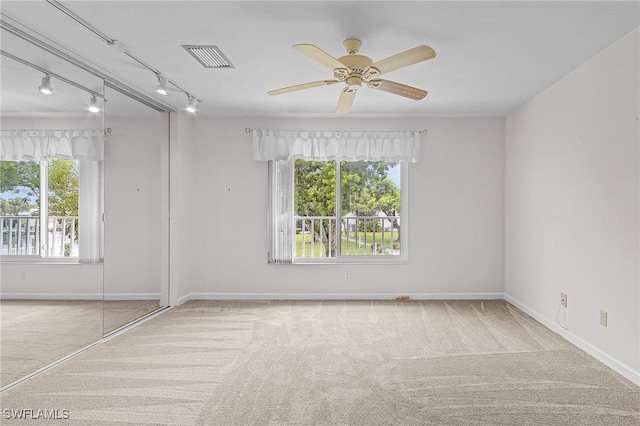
(353, 83)
(192, 104)
(93, 104)
(45, 86)
(163, 86)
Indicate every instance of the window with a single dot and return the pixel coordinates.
(348, 211)
(51, 195)
(337, 196)
(37, 193)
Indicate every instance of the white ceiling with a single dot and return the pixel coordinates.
(491, 56)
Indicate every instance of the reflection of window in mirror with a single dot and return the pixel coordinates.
(23, 209)
(51, 164)
(40, 214)
(22, 206)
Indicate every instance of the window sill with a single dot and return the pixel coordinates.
(36, 260)
(373, 260)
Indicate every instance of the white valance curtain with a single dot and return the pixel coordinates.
(342, 145)
(85, 146)
(37, 145)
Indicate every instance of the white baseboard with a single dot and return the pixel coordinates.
(80, 296)
(337, 296)
(132, 296)
(51, 296)
(606, 359)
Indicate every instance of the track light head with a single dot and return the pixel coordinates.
(192, 105)
(93, 104)
(45, 86)
(163, 88)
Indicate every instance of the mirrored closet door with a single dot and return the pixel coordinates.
(51, 265)
(84, 205)
(136, 136)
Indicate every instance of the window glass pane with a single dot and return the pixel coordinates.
(315, 208)
(370, 208)
(366, 222)
(63, 208)
(19, 207)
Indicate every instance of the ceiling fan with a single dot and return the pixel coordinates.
(354, 69)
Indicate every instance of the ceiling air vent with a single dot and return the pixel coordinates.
(209, 56)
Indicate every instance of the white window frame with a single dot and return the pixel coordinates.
(43, 257)
(83, 145)
(400, 259)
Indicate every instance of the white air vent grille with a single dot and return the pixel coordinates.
(209, 56)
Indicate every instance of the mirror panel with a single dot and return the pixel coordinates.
(50, 304)
(133, 206)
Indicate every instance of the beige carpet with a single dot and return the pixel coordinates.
(120, 312)
(35, 333)
(334, 363)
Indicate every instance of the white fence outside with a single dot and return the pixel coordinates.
(21, 236)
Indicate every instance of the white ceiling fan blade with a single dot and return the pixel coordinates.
(404, 59)
(301, 87)
(319, 55)
(346, 100)
(398, 89)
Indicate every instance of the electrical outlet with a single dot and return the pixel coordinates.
(563, 300)
(347, 275)
(603, 318)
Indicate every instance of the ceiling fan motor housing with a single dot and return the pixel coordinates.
(354, 75)
(356, 63)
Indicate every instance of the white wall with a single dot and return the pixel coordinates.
(456, 214)
(51, 281)
(572, 204)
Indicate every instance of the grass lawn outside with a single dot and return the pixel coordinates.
(352, 244)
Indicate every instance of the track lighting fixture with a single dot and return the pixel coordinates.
(163, 82)
(93, 104)
(163, 88)
(45, 87)
(192, 105)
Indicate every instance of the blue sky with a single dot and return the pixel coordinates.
(8, 195)
(394, 175)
